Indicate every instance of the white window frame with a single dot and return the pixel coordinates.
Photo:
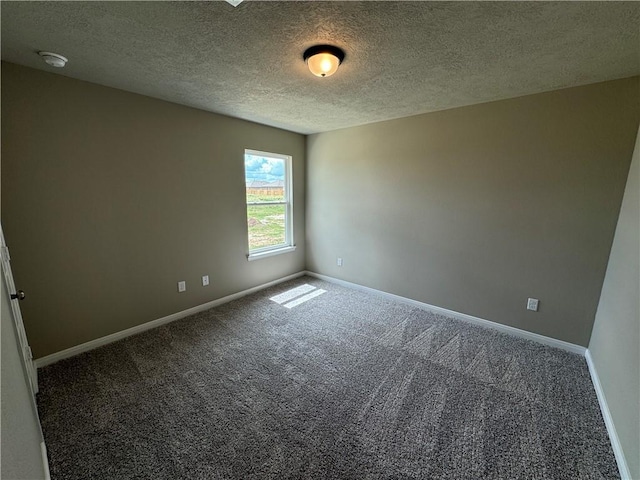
(288, 245)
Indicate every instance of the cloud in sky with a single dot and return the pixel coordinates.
(263, 168)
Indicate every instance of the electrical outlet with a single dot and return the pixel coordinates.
(339, 262)
(182, 286)
(532, 304)
(205, 280)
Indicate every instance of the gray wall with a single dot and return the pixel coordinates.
(615, 342)
(21, 434)
(477, 208)
(110, 198)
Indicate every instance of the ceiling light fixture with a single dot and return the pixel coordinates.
(323, 60)
(53, 59)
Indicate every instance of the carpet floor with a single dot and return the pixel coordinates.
(311, 380)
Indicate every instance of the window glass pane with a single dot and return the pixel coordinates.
(268, 201)
(265, 178)
(266, 225)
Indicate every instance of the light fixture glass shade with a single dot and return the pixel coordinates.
(323, 60)
(323, 64)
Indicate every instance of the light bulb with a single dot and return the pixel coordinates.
(325, 65)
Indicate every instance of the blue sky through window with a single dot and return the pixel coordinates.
(264, 169)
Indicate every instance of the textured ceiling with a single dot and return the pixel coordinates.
(402, 58)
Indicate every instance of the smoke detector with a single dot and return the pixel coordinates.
(53, 59)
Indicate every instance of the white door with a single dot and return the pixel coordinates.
(16, 296)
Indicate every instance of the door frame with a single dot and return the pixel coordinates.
(25, 349)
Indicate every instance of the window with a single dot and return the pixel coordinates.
(269, 203)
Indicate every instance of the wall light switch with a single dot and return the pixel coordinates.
(532, 304)
(182, 286)
(339, 262)
(205, 280)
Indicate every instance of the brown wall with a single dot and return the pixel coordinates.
(477, 208)
(110, 198)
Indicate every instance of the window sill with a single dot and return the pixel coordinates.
(270, 253)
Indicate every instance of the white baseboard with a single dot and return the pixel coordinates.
(625, 474)
(84, 347)
(114, 337)
(552, 342)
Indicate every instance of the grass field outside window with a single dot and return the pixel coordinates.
(266, 223)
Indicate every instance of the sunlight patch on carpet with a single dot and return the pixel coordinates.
(305, 298)
(293, 293)
(297, 296)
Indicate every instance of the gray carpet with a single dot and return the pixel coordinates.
(346, 385)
